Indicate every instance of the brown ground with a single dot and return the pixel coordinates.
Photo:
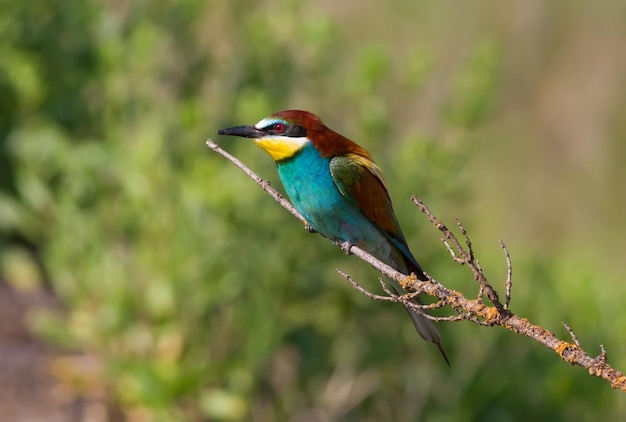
(28, 390)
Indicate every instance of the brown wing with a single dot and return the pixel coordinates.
(360, 180)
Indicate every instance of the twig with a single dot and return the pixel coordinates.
(466, 309)
(449, 248)
(389, 298)
(466, 256)
(264, 184)
(386, 288)
(571, 333)
(509, 275)
(468, 242)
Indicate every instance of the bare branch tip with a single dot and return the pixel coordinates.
(364, 291)
(386, 288)
(481, 293)
(509, 274)
(460, 226)
(602, 358)
(341, 273)
(571, 333)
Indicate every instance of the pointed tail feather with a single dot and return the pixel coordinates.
(426, 329)
(402, 259)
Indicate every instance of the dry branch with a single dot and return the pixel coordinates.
(473, 310)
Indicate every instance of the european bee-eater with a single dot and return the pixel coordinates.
(339, 190)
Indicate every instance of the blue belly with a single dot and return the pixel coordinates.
(312, 190)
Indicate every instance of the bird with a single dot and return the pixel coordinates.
(340, 191)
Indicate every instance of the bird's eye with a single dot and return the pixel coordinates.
(279, 128)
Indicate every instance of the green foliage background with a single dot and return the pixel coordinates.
(206, 301)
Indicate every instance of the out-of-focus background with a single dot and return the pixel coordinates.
(144, 278)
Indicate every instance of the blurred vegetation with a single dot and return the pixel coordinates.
(205, 301)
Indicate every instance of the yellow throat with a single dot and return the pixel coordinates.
(281, 147)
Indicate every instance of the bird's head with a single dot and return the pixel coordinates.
(285, 133)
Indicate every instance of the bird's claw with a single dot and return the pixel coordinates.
(346, 246)
(309, 228)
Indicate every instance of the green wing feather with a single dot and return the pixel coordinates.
(361, 181)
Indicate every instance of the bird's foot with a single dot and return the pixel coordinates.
(346, 246)
(309, 228)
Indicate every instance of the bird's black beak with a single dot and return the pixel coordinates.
(243, 131)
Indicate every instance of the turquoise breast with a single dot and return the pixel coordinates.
(310, 186)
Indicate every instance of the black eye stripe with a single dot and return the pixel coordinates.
(291, 130)
(295, 131)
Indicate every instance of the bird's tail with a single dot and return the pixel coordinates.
(406, 263)
(425, 327)
(427, 330)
